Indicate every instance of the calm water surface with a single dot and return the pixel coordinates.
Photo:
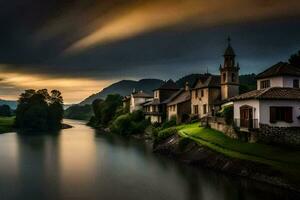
(78, 163)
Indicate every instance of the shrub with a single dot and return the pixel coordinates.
(164, 134)
(122, 125)
(228, 114)
(169, 123)
(129, 124)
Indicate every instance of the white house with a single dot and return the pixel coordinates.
(275, 103)
(137, 99)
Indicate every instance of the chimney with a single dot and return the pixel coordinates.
(187, 87)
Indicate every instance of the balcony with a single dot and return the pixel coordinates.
(246, 124)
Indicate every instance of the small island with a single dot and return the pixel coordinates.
(37, 111)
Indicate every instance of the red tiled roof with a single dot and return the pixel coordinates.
(280, 69)
(273, 93)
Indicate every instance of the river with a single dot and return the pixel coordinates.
(80, 163)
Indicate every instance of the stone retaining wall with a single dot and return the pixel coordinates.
(226, 129)
(279, 135)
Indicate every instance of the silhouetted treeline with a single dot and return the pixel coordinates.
(295, 59)
(79, 112)
(39, 110)
(5, 111)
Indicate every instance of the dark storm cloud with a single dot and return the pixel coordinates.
(35, 35)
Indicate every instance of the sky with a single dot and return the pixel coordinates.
(80, 47)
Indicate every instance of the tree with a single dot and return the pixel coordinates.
(37, 110)
(109, 108)
(79, 112)
(5, 111)
(105, 111)
(295, 59)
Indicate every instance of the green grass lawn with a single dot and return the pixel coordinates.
(285, 160)
(6, 124)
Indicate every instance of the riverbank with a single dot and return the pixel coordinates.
(6, 124)
(204, 147)
(208, 148)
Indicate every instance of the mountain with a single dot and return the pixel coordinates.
(124, 88)
(11, 104)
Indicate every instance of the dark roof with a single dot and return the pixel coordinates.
(173, 96)
(142, 94)
(168, 85)
(126, 98)
(153, 102)
(208, 81)
(273, 93)
(280, 69)
(183, 96)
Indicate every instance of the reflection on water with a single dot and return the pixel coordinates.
(78, 163)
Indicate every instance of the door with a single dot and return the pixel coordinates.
(246, 117)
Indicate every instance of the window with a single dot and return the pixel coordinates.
(196, 109)
(204, 109)
(202, 93)
(224, 77)
(173, 108)
(196, 94)
(265, 84)
(296, 83)
(233, 79)
(284, 114)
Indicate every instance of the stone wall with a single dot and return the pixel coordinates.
(226, 129)
(279, 135)
(219, 124)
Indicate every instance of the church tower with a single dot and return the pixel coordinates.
(229, 74)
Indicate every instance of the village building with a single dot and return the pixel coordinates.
(275, 103)
(179, 105)
(156, 110)
(211, 91)
(126, 102)
(137, 99)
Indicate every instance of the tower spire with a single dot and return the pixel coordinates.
(229, 40)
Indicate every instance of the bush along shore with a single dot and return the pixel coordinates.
(201, 146)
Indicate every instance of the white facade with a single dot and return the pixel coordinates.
(154, 119)
(265, 112)
(136, 103)
(279, 81)
(261, 111)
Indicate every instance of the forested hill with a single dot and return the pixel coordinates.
(11, 104)
(125, 87)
